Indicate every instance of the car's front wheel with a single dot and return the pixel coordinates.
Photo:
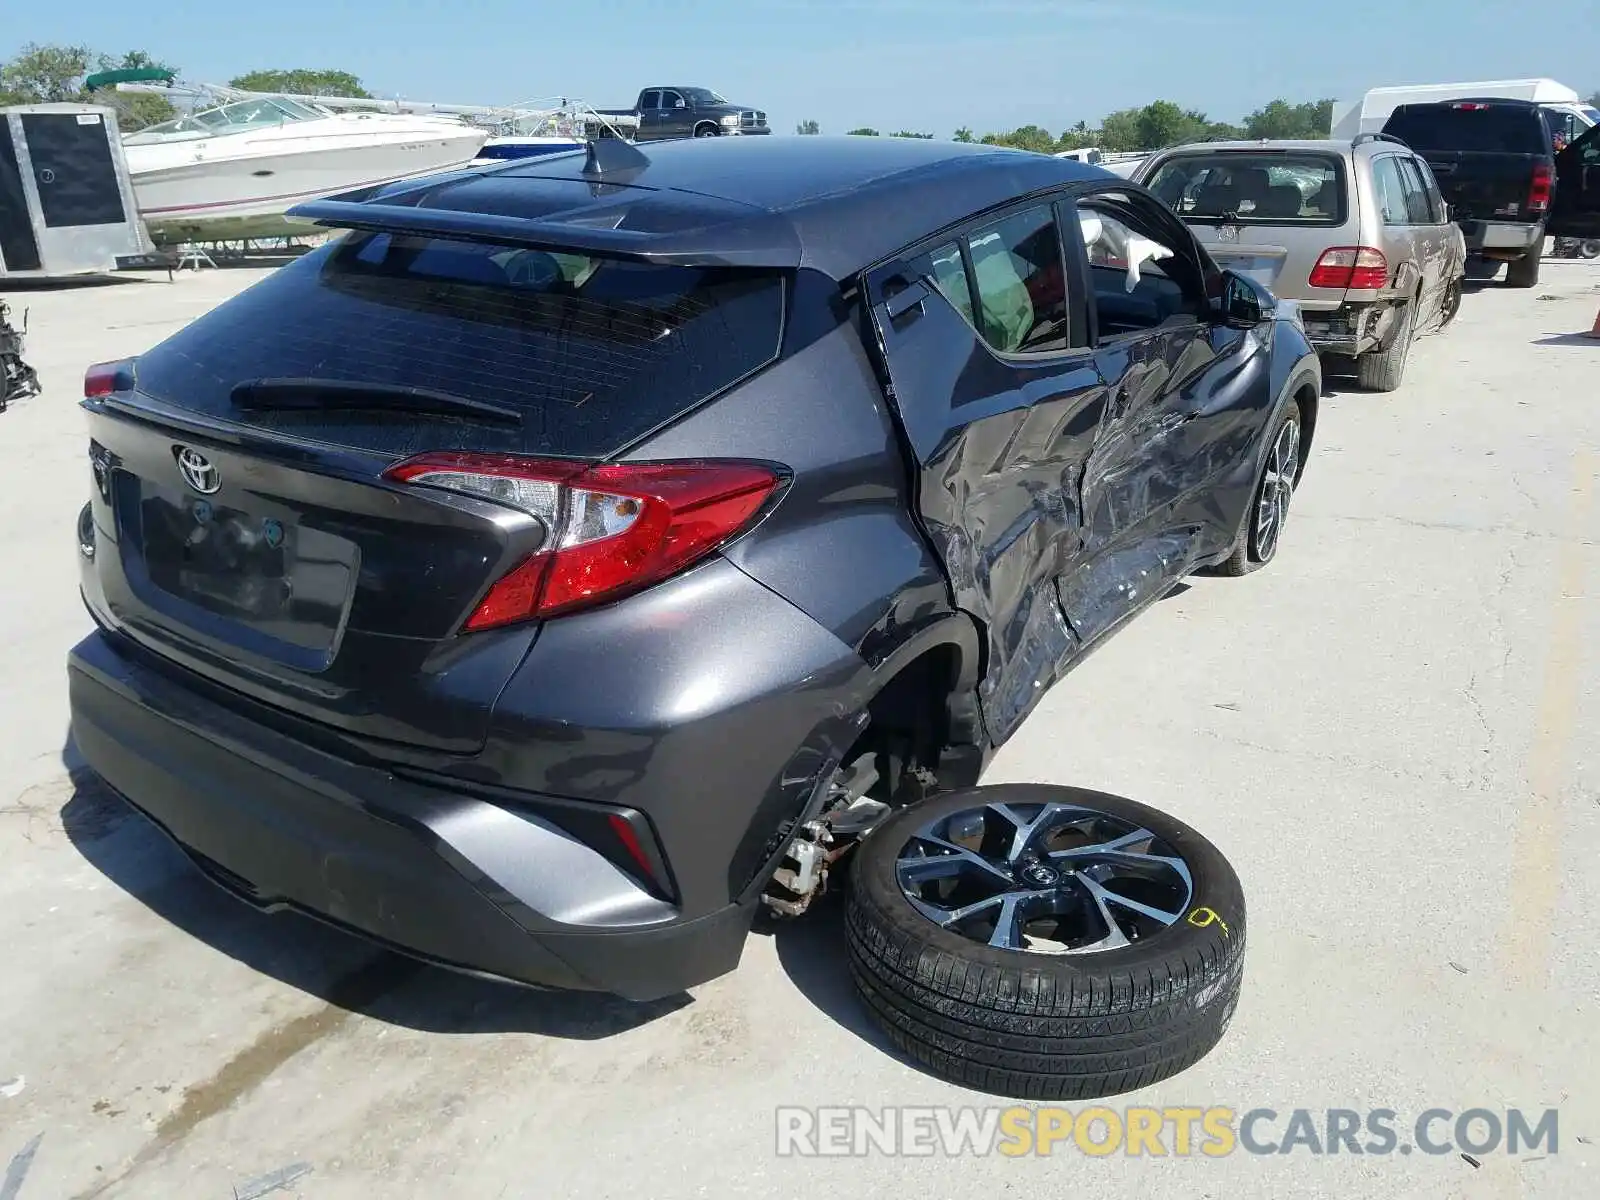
(1045, 942)
(1269, 505)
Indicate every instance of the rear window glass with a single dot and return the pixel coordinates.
(1446, 127)
(1272, 189)
(585, 353)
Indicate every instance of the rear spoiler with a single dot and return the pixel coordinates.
(763, 239)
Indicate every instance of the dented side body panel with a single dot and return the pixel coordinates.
(1065, 493)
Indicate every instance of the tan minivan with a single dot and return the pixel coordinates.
(1355, 231)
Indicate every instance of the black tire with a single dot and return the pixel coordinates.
(1524, 272)
(1450, 305)
(701, 131)
(1589, 248)
(1249, 552)
(1383, 370)
(1047, 1026)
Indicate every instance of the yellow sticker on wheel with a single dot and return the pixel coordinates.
(1202, 918)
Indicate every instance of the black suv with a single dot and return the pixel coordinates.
(527, 578)
(1498, 169)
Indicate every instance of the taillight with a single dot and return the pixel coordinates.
(1539, 190)
(1362, 268)
(612, 530)
(103, 379)
(1470, 106)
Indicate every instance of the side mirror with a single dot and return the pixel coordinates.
(1244, 303)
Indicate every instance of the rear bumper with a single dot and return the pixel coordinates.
(445, 876)
(1351, 329)
(1514, 238)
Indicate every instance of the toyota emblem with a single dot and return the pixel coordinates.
(197, 471)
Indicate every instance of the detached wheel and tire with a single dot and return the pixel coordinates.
(1382, 370)
(1048, 943)
(1524, 272)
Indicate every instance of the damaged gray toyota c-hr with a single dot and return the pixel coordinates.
(576, 553)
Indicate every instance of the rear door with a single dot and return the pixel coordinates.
(1186, 402)
(677, 119)
(1575, 206)
(651, 116)
(1001, 402)
(247, 530)
(1422, 241)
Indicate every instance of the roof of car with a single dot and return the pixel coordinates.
(1326, 145)
(833, 204)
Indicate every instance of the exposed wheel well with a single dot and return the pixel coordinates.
(1306, 397)
(924, 724)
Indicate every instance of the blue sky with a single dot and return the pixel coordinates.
(929, 65)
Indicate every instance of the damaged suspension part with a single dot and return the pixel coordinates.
(17, 378)
(847, 814)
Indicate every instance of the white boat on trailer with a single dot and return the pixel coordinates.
(230, 171)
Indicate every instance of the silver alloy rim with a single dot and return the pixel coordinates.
(1277, 489)
(1044, 878)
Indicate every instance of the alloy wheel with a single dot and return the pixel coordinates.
(1277, 490)
(1044, 878)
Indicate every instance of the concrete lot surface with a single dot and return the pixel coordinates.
(1393, 732)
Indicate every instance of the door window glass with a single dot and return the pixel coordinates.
(1435, 196)
(949, 274)
(1391, 193)
(1133, 287)
(651, 100)
(1419, 209)
(1021, 283)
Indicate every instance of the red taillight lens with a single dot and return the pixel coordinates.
(1539, 191)
(1469, 106)
(1358, 267)
(613, 529)
(103, 379)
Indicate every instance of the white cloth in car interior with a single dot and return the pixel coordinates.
(1124, 243)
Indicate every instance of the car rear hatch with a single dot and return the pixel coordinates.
(252, 522)
(1266, 213)
(1485, 156)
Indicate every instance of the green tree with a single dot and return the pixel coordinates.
(906, 133)
(1078, 137)
(55, 74)
(1120, 130)
(1163, 123)
(302, 81)
(808, 128)
(1028, 137)
(864, 131)
(135, 110)
(44, 75)
(1280, 119)
(964, 135)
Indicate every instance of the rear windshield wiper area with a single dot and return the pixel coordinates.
(344, 395)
